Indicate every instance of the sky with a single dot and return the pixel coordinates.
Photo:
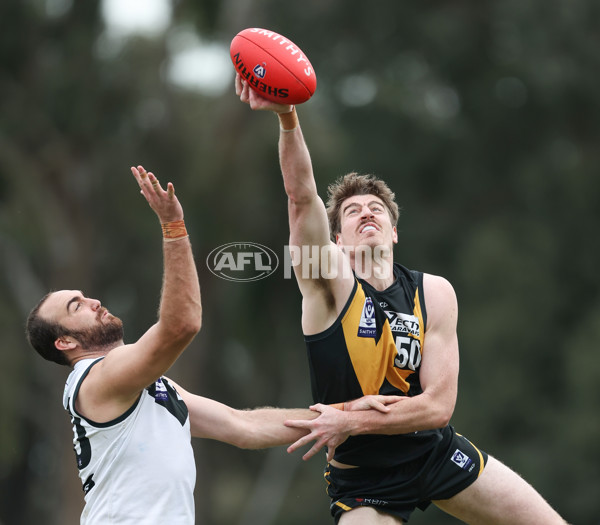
(195, 63)
(126, 17)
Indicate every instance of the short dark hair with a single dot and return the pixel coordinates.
(42, 334)
(355, 184)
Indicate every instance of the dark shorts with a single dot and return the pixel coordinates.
(451, 467)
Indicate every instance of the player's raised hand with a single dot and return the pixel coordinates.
(255, 101)
(165, 203)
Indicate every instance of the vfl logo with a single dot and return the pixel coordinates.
(366, 326)
(242, 261)
(260, 70)
(462, 460)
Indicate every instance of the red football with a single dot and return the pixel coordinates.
(273, 66)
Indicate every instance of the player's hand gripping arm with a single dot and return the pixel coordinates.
(128, 369)
(264, 427)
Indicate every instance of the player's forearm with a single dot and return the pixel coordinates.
(264, 427)
(412, 415)
(295, 162)
(180, 306)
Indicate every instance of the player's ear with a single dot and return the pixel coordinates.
(65, 343)
(395, 235)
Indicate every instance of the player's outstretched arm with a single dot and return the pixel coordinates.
(127, 370)
(308, 219)
(324, 297)
(264, 427)
(250, 429)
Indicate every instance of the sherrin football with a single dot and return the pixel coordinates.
(273, 66)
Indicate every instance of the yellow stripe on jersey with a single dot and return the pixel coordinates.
(372, 362)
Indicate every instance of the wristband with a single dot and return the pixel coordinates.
(288, 122)
(174, 231)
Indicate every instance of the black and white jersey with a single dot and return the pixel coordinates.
(138, 468)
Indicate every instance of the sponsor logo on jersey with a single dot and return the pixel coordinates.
(462, 460)
(165, 396)
(367, 325)
(161, 393)
(404, 323)
(371, 501)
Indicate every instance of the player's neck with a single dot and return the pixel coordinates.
(94, 352)
(379, 273)
(379, 283)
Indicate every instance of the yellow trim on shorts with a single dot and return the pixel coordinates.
(342, 506)
(481, 462)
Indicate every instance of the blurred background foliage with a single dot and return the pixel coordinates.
(483, 117)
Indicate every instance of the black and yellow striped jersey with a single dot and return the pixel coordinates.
(374, 347)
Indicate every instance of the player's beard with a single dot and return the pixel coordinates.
(100, 336)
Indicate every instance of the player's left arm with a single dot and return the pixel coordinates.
(432, 408)
(251, 429)
(259, 427)
(440, 359)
